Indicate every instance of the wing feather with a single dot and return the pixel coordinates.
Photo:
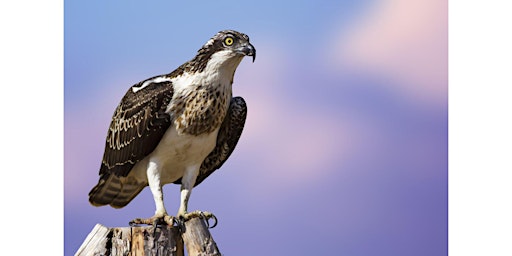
(138, 124)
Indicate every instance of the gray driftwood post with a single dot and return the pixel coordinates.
(164, 240)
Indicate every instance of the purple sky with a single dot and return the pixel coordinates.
(345, 149)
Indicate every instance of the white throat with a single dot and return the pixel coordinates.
(218, 72)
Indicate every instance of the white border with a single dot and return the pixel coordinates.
(31, 65)
(480, 128)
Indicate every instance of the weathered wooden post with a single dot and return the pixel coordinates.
(148, 240)
(198, 239)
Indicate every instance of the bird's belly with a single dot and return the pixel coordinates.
(178, 152)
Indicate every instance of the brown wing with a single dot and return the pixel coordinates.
(138, 124)
(229, 134)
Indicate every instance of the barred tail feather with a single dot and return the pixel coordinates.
(115, 191)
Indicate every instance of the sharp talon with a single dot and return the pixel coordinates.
(135, 222)
(175, 221)
(215, 224)
(154, 226)
(180, 223)
(207, 216)
(203, 216)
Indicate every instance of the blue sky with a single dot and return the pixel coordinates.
(345, 148)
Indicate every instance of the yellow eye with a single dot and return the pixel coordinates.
(228, 41)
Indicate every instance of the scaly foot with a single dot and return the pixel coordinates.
(155, 220)
(183, 217)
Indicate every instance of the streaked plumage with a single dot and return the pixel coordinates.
(175, 128)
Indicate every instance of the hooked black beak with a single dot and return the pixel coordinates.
(249, 50)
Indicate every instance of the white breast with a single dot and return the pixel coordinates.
(175, 153)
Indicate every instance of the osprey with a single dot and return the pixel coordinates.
(175, 128)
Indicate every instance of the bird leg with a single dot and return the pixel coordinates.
(161, 216)
(187, 183)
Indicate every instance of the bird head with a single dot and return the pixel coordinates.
(231, 42)
(226, 48)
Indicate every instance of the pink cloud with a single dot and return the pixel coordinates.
(404, 41)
